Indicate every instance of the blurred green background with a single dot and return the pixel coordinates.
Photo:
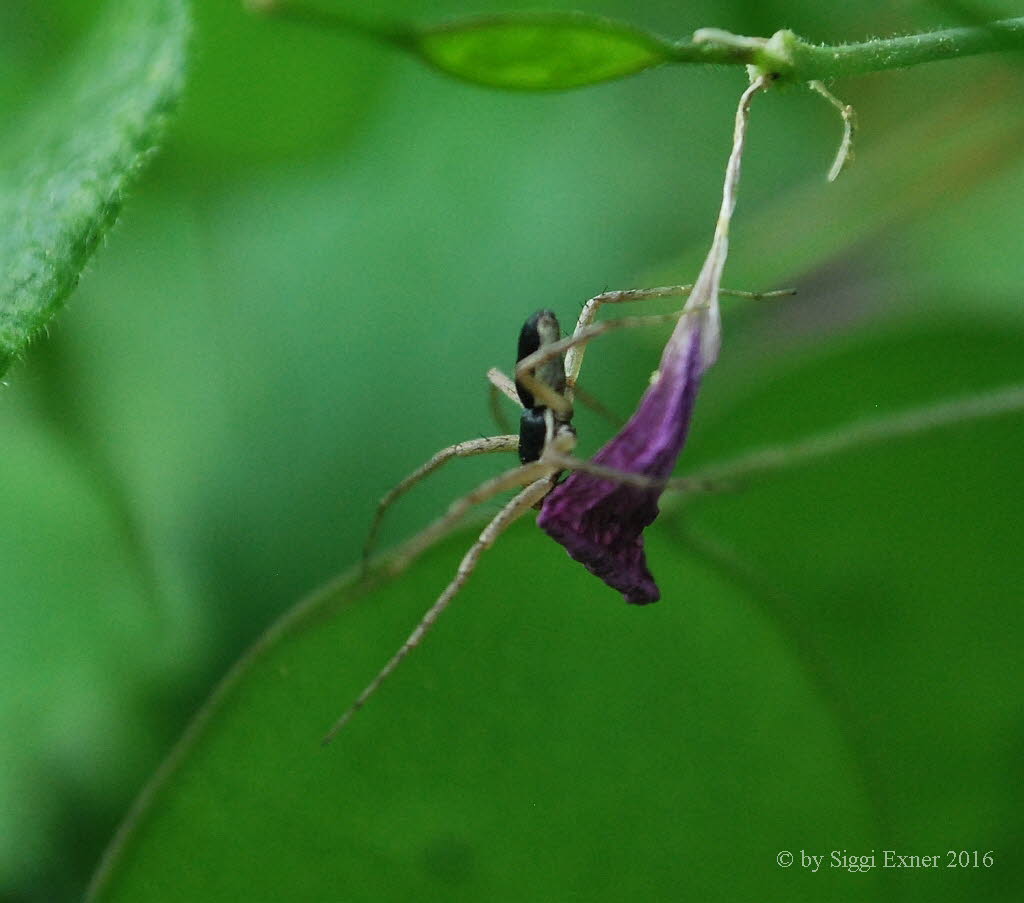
(298, 306)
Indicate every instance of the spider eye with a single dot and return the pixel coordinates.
(541, 329)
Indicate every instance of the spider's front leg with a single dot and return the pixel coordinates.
(460, 450)
(558, 350)
(501, 385)
(511, 479)
(574, 353)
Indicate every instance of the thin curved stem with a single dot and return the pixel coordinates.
(776, 459)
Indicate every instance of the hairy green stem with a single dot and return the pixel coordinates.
(786, 57)
(783, 57)
(824, 62)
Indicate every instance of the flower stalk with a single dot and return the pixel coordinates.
(601, 521)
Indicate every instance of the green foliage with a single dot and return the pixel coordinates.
(300, 308)
(540, 51)
(66, 168)
(548, 741)
(81, 643)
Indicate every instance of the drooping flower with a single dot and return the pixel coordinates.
(601, 522)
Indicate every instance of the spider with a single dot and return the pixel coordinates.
(544, 387)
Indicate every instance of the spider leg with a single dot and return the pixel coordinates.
(511, 479)
(563, 404)
(501, 385)
(574, 355)
(639, 480)
(598, 407)
(497, 411)
(459, 450)
(515, 509)
(586, 330)
(504, 385)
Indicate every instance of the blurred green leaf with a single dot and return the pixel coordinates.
(294, 97)
(82, 649)
(540, 742)
(65, 170)
(540, 51)
(814, 645)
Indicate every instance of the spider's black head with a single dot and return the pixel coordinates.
(541, 329)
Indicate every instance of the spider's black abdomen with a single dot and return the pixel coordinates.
(541, 329)
(532, 430)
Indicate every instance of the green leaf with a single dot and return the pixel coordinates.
(549, 742)
(531, 721)
(67, 166)
(83, 645)
(540, 51)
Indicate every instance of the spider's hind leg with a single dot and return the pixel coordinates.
(512, 511)
(516, 478)
(459, 450)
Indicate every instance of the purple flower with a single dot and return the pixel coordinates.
(601, 522)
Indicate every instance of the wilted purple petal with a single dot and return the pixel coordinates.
(600, 522)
